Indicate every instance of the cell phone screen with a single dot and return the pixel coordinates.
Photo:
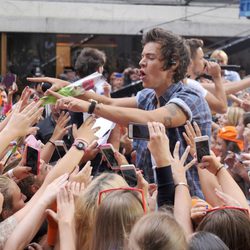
(202, 148)
(109, 154)
(130, 177)
(8, 80)
(140, 131)
(32, 159)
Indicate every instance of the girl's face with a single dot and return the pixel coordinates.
(4, 96)
(221, 147)
(246, 133)
(223, 120)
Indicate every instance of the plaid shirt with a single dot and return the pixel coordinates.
(196, 109)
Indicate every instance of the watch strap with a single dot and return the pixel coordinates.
(92, 106)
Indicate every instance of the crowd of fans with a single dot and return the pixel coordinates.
(74, 200)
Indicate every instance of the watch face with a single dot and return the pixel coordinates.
(80, 145)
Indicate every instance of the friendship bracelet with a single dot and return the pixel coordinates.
(52, 143)
(219, 169)
(182, 184)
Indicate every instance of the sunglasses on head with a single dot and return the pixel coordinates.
(244, 210)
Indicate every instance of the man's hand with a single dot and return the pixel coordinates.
(213, 69)
(69, 103)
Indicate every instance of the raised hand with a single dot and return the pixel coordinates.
(121, 159)
(20, 123)
(159, 144)
(61, 128)
(69, 103)
(177, 164)
(198, 211)
(190, 134)
(86, 131)
(210, 162)
(56, 83)
(65, 207)
(213, 69)
(54, 187)
(84, 176)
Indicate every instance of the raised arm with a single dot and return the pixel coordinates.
(230, 87)
(207, 180)
(218, 100)
(60, 130)
(228, 184)
(20, 123)
(65, 165)
(58, 84)
(29, 225)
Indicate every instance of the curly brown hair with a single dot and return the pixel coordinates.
(173, 49)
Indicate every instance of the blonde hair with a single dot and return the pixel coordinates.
(233, 115)
(158, 230)
(221, 55)
(5, 189)
(119, 211)
(86, 206)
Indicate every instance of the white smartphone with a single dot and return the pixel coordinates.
(138, 131)
(129, 174)
(202, 146)
(108, 152)
(61, 147)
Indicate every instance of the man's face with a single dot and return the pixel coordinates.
(152, 73)
(198, 63)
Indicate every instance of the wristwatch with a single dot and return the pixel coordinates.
(80, 145)
(92, 106)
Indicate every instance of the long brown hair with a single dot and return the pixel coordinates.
(231, 225)
(86, 206)
(157, 230)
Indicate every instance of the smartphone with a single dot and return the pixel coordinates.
(202, 147)
(108, 152)
(32, 141)
(129, 174)
(138, 131)
(33, 159)
(8, 80)
(61, 147)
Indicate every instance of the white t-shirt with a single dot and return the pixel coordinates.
(197, 86)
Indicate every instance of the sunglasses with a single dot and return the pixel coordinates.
(140, 191)
(244, 210)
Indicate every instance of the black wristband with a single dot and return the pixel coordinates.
(92, 106)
